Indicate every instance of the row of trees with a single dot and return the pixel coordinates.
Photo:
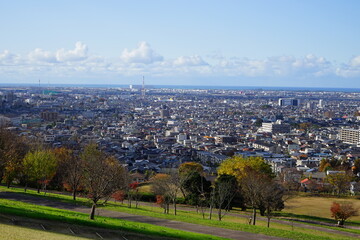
(90, 170)
(242, 182)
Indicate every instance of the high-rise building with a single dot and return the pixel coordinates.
(49, 116)
(164, 112)
(351, 136)
(288, 102)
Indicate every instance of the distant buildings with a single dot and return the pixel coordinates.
(288, 102)
(277, 127)
(49, 116)
(350, 136)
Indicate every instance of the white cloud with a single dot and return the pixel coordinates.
(190, 61)
(6, 55)
(309, 65)
(78, 54)
(142, 54)
(145, 61)
(350, 69)
(355, 62)
(42, 56)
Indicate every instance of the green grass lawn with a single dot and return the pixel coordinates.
(318, 207)
(230, 222)
(10, 232)
(54, 214)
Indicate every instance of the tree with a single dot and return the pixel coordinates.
(339, 181)
(103, 175)
(253, 186)
(356, 166)
(186, 171)
(342, 211)
(193, 185)
(161, 186)
(196, 189)
(12, 152)
(224, 191)
(40, 166)
(73, 168)
(237, 165)
(119, 196)
(190, 167)
(272, 199)
(134, 192)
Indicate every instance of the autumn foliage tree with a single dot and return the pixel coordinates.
(70, 169)
(162, 187)
(12, 151)
(119, 196)
(237, 166)
(342, 211)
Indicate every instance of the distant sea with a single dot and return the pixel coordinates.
(202, 87)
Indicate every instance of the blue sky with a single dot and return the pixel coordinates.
(307, 43)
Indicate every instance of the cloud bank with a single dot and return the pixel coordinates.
(144, 60)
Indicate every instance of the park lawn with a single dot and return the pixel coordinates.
(10, 232)
(230, 222)
(317, 207)
(53, 196)
(41, 212)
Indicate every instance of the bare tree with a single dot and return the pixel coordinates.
(225, 190)
(272, 199)
(253, 185)
(161, 186)
(74, 173)
(102, 175)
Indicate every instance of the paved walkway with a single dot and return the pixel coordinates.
(227, 233)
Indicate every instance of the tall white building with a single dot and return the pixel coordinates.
(277, 127)
(351, 136)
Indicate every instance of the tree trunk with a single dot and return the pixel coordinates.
(38, 188)
(8, 183)
(254, 216)
(92, 214)
(210, 211)
(175, 207)
(268, 221)
(74, 194)
(219, 214)
(129, 201)
(25, 188)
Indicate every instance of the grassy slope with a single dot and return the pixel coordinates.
(9, 232)
(230, 222)
(276, 229)
(42, 212)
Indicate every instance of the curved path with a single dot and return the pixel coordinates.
(221, 232)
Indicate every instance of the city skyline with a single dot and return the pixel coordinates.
(232, 43)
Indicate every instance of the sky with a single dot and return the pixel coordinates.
(295, 43)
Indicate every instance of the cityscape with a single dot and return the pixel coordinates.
(193, 120)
